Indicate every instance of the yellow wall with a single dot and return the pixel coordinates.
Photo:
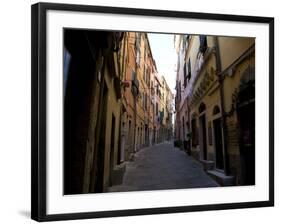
(233, 47)
(231, 84)
(113, 107)
(210, 97)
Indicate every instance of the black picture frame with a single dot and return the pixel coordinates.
(39, 122)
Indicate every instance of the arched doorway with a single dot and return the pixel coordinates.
(246, 119)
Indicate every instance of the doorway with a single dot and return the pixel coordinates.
(98, 167)
(146, 135)
(246, 116)
(246, 120)
(154, 135)
(218, 143)
(112, 144)
(121, 149)
(203, 136)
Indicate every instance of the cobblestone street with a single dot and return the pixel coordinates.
(163, 167)
(126, 90)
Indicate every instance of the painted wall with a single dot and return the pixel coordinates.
(226, 43)
(113, 108)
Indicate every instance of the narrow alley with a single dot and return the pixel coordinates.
(127, 94)
(162, 166)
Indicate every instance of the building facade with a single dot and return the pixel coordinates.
(215, 96)
(112, 106)
(166, 111)
(92, 109)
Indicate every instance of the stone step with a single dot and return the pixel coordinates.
(207, 164)
(221, 178)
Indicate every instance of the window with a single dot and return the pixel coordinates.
(145, 53)
(203, 43)
(161, 116)
(202, 108)
(187, 39)
(187, 72)
(137, 47)
(185, 75)
(129, 132)
(156, 109)
(148, 77)
(183, 46)
(180, 91)
(137, 41)
(189, 69)
(157, 90)
(216, 110)
(138, 57)
(145, 101)
(135, 84)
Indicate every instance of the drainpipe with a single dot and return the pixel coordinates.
(224, 126)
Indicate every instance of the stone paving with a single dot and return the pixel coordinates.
(163, 167)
